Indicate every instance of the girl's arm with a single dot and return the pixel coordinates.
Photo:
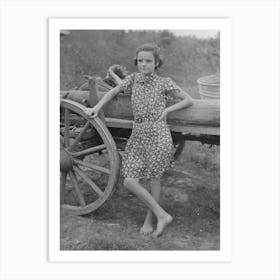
(185, 103)
(105, 99)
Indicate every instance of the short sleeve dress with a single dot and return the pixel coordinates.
(149, 150)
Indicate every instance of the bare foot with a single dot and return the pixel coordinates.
(146, 229)
(161, 224)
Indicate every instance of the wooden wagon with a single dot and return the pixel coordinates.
(90, 148)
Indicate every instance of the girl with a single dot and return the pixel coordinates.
(149, 150)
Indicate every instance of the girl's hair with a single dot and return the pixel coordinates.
(154, 49)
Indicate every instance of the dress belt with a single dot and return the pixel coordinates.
(143, 119)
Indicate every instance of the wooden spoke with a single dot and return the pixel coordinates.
(90, 151)
(76, 187)
(79, 137)
(63, 176)
(92, 166)
(67, 127)
(88, 180)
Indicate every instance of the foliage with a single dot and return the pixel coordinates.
(92, 52)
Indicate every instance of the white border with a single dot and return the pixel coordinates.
(255, 155)
(55, 25)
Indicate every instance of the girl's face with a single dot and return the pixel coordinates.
(146, 62)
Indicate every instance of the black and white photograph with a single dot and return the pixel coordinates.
(140, 139)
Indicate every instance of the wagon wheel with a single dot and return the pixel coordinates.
(89, 170)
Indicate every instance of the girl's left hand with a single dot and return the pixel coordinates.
(163, 116)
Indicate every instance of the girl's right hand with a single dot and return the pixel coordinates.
(92, 111)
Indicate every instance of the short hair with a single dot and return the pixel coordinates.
(154, 49)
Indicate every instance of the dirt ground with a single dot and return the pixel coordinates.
(190, 193)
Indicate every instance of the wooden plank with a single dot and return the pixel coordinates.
(195, 130)
(90, 150)
(190, 129)
(119, 123)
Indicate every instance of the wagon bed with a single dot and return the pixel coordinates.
(201, 118)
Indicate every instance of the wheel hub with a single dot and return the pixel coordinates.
(65, 161)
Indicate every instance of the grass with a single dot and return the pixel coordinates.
(190, 193)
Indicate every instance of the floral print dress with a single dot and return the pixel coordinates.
(149, 150)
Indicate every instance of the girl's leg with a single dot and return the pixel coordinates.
(147, 227)
(163, 218)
